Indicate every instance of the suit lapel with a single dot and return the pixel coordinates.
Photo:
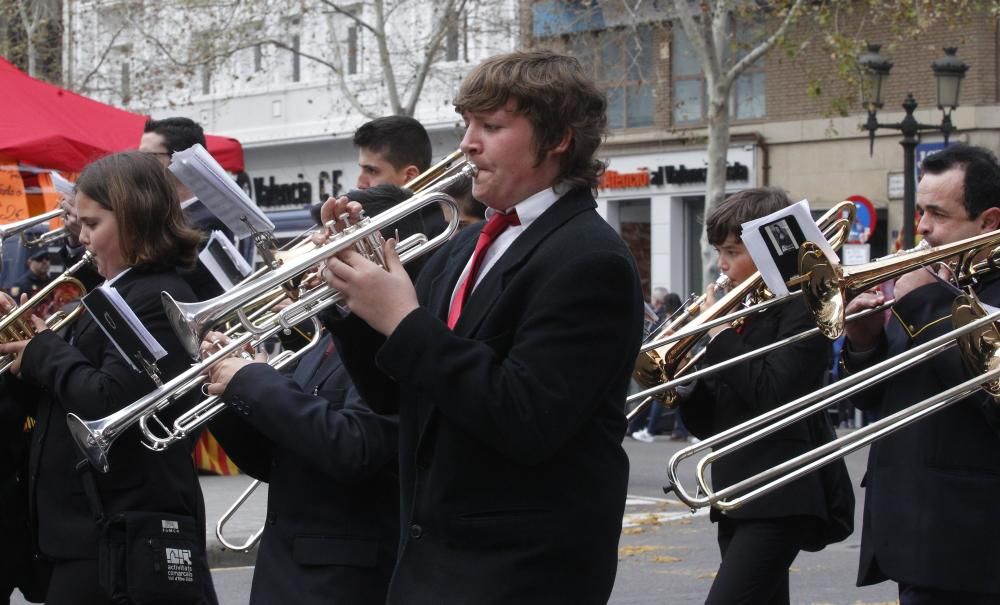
(486, 293)
(489, 289)
(443, 284)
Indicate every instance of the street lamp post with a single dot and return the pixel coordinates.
(948, 72)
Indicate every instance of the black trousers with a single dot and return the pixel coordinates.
(756, 554)
(919, 595)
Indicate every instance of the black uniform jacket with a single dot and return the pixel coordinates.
(91, 379)
(513, 474)
(333, 499)
(749, 389)
(932, 487)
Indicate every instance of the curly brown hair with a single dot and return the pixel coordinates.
(554, 93)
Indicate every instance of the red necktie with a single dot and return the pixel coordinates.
(497, 224)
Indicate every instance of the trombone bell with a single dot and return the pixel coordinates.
(981, 347)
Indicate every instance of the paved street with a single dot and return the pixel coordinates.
(667, 555)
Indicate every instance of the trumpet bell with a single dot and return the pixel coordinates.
(188, 321)
(89, 437)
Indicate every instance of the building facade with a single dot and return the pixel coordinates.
(795, 122)
(292, 83)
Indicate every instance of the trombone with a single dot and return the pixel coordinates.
(16, 325)
(661, 359)
(976, 333)
(825, 288)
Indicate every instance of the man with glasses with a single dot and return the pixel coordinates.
(161, 138)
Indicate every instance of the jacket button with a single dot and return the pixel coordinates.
(272, 519)
(416, 531)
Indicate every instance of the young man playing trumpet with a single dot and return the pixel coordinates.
(759, 540)
(930, 522)
(509, 360)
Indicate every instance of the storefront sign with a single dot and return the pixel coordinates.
(681, 170)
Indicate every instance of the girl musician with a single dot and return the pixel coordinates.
(760, 540)
(132, 223)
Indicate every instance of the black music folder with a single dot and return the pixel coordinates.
(123, 327)
(221, 258)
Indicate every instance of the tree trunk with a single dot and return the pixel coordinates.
(715, 179)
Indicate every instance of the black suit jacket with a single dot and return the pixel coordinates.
(749, 389)
(512, 471)
(91, 379)
(931, 488)
(333, 498)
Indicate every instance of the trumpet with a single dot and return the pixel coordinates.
(192, 320)
(46, 239)
(20, 227)
(426, 179)
(46, 303)
(95, 437)
(975, 331)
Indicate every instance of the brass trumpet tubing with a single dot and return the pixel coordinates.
(16, 324)
(794, 411)
(192, 320)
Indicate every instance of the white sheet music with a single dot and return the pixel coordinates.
(63, 185)
(132, 321)
(197, 169)
(777, 237)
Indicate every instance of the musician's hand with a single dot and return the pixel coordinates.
(223, 371)
(212, 342)
(710, 299)
(381, 298)
(7, 303)
(919, 277)
(863, 334)
(71, 220)
(335, 209)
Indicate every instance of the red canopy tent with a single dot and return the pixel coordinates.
(47, 126)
